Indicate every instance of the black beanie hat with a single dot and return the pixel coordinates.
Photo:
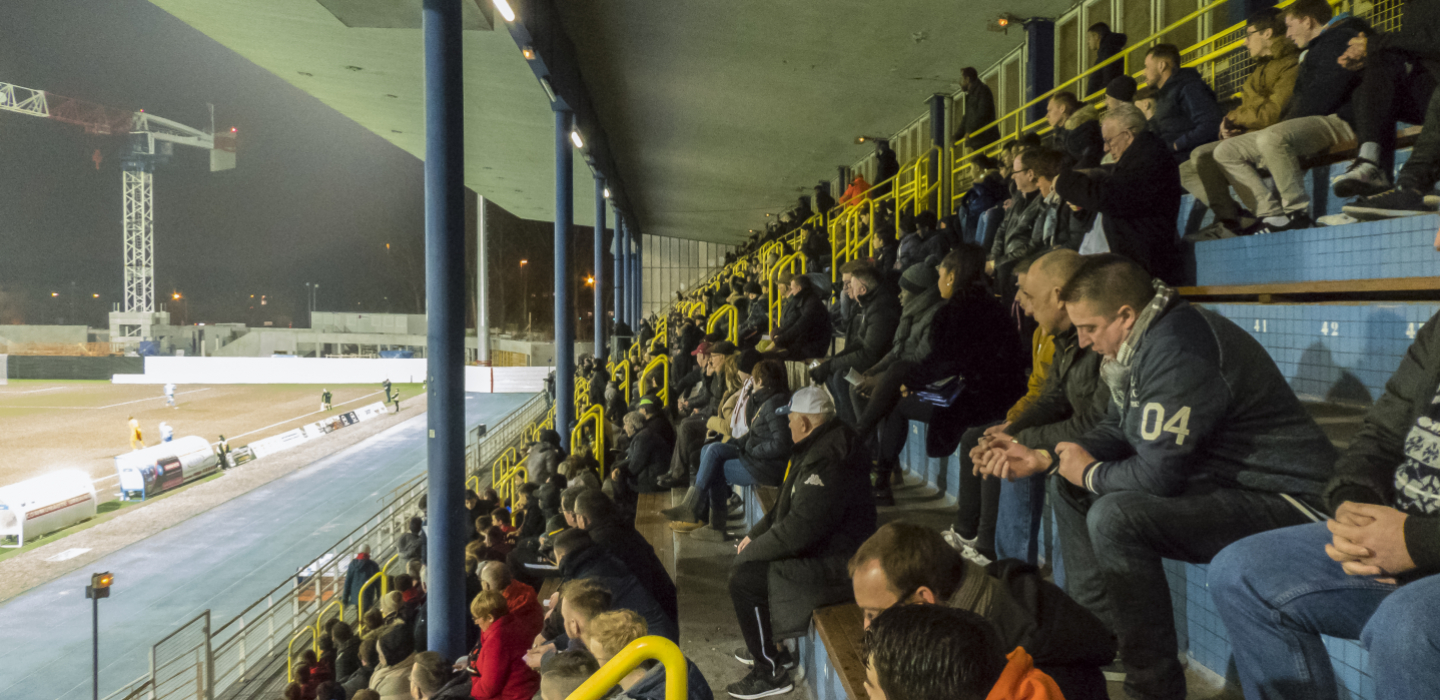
(1121, 88)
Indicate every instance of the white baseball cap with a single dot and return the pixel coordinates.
(811, 399)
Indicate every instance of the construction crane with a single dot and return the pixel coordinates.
(151, 141)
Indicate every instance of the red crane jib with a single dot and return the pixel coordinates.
(94, 118)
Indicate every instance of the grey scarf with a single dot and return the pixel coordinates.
(1116, 372)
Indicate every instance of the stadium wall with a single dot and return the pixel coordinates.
(308, 370)
(58, 367)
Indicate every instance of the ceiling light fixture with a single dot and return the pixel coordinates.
(505, 11)
(1005, 21)
(607, 192)
(575, 138)
(528, 52)
(867, 139)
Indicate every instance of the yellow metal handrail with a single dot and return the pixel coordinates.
(677, 671)
(385, 575)
(320, 618)
(597, 412)
(790, 262)
(290, 651)
(624, 387)
(665, 386)
(360, 600)
(733, 326)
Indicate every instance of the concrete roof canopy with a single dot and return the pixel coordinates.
(715, 113)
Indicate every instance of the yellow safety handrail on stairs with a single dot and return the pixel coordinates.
(732, 328)
(665, 386)
(597, 413)
(677, 672)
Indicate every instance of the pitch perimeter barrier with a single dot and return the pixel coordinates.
(315, 370)
(252, 646)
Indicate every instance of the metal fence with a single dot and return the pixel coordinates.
(196, 663)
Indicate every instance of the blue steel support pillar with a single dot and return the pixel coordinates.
(623, 230)
(639, 285)
(617, 249)
(1039, 64)
(632, 264)
(598, 291)
(445, 309)
(564, 334)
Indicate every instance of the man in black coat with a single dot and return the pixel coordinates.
(868, 338)
(793, 560)
(979, 111)
(1138, 198)
(580, 557)
(1186, 113)
(1104, 43)
(804, 331)
(596, 514)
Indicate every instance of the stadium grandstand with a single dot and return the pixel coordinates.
(1110, 375)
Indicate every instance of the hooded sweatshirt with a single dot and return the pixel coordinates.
(1022, 681)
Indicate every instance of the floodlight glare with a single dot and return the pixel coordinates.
(505, 11)
(575, 139)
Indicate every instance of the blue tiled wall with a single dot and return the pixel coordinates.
(1369, 250)
(1333, 352)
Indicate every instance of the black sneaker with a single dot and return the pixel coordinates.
(884, 496)
(759, 684)
(1400, 201)
(1294, 221)
(784, 658)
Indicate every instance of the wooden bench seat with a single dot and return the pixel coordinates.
(653, 527)
(842, 630)
(1420, 287)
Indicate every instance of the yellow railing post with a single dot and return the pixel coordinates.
(320, 618)
(596, 412)
(677, 671)
(385, 575)
(725, 312)
(360, 599)
(664, 362)
(290, 651)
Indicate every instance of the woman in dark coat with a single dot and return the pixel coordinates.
(974, 342)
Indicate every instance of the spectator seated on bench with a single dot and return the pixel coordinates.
(597, 515)
(1186, 113)
(1367, 574)
(1264, 98)
(1317, 120)
(793, 560)
(565, 672)
(1204, 443)
(1000, 517)
(973, 363)
(756, 457)
(581, 558)
(804, 332)
(571, 609)
(905, 564)
(867, 337)
(916, 652)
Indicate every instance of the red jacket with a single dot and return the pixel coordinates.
(499, 663)
(525, 608)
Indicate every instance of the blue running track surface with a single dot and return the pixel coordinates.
(223, 559)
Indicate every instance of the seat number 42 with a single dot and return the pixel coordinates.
(1153, 423)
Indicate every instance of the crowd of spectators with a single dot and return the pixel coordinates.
(1039, 335)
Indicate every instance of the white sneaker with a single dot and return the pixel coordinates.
(1362, 178)
(965, 547)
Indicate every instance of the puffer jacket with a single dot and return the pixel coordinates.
(805, 328)
(824, 511)
(1072, 402)
(1267, 91)
(1366, 472)
(872, 331)
(648, 459)
(912, 333)
(767, 447)
(1186, 113)
(1079, 137)
(1207, 409)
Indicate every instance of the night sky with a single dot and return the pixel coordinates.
(314, 198)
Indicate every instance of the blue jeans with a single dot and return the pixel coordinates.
(1017, 519)
(1278, 592)
(719, 463)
